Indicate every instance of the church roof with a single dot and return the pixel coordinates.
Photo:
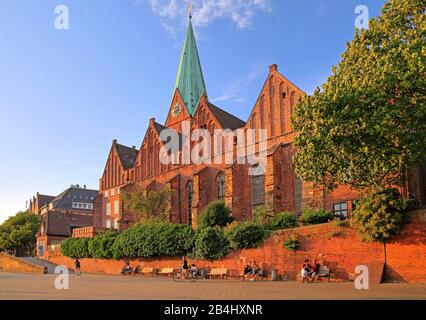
(190, 80)
(127, 155)
(227, 120)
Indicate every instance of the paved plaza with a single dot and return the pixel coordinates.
(90, 286)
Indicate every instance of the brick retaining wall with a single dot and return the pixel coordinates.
(337, 247)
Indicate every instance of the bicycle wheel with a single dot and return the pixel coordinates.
(177, 277)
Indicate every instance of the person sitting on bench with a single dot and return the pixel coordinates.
(306, 271)
(315, 270)
(127, 269)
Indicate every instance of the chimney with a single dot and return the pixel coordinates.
(84, 186)
(114, 141)
(273, 68)
(152, 120)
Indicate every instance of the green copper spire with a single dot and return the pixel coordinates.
(190, 80)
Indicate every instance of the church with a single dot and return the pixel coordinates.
(276, 188)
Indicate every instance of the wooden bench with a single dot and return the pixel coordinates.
(151, 271)
(166, 271)
(218, 272)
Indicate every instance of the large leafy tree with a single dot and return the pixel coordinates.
(367, 126)
(18, 233)
(151, 206)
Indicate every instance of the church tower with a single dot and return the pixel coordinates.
(189, 86)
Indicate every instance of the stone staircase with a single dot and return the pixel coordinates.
(49, 267)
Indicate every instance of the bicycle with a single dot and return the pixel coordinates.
(190, 274)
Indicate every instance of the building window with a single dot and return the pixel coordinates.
(116, 207)
(108, 223)
(106, 194)
(189, 191)
(112, 192)
(257, 190)
(221, 186)
(340, 210)
(116, 223)
(108, 209)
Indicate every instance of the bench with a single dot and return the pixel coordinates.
(151, 271)
(166, 271)
(324, 272)
(218, 272)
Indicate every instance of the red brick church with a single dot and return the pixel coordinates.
(277, 188)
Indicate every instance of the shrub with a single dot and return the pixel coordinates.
(283, 220)
(215, 214)
(101, 246)
(380, 216)
(154, 239)
(292, 243)
(76, 248)
(262, 216)
(211, 244)
(411, 204)
(341, 223)
(246, 235)
(315, 216)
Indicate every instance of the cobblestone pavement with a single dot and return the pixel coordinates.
(89, 286)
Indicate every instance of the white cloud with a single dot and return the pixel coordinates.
(67, 162)
(240, 12)
(236, 91)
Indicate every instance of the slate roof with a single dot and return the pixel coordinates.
(62, 224)
(76, 194)
(44, 199)
(159, 127)
(127, 155)
(226, 120)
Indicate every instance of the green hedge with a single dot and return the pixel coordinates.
(292, 243)
(310, 216)
(154, 239)
(283, 220)
(211, 244)
(215, 214)
(76, 248)
(246, 235)
(100, 247)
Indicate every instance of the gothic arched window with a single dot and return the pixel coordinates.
(220, 183)
(272, 105)
(262, 112)
(189, 193)
(282, 106)
(292, 102)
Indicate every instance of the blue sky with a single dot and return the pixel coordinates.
(66, 94)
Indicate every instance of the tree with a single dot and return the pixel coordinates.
(215, 214)
(367, 126)
(211, 244)
(18, 233)
(379, 217)
(149, 205)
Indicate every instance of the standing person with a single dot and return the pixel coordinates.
(77, 267)
(184, 266)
